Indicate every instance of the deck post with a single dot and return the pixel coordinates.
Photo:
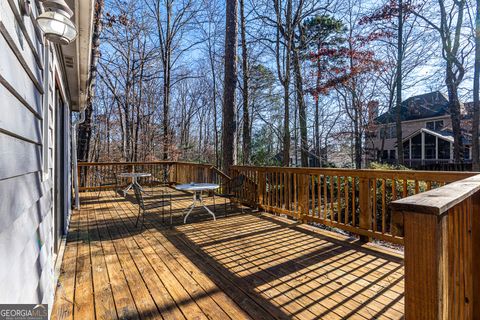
(442, 251)
(303, 196)
(424, 265)
(261, 187)
(365, 206)
(476, 255)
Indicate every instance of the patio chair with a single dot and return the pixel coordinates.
(107, 179)
(142, 206)
(229, 191)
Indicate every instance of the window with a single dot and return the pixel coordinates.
(406, 149)
(388, 133)
(46, 115)
(430, 146)
(466, 153)
(384, 155)
(443, 149)
(417, 146)
(435, 125)
(392, 154)
(383, 133)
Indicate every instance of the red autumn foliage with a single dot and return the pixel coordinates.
(338, 65)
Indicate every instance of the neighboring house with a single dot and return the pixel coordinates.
(426, 133)
(41, 83)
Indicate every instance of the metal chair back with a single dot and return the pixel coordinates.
(139, 196)
(237, 183)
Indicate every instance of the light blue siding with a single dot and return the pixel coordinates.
(27, 256)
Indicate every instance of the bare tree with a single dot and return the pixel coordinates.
(449, 27)
(230, 82)
(85, 128)
(476, 92)
(172, 20)
(398, 79)
(299, 93)
(246, 137)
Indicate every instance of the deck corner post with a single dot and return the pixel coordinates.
(476, 255)
(365, 196)
(426, 265)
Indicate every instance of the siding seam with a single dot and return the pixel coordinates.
(17, 95)
(25, 33)
(14, 135)
(20, 58)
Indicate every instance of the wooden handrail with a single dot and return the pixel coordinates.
(174, 171)
(356, 201)
(220, 172)
(447, 176)
(442, 251)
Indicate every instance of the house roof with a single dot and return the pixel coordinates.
(429, 105)
(442, 134)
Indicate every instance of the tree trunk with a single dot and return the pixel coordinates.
(357, 139)
(246, 138)
(286, 31)
(85, 134)
(476, 94)
(318, 160)
(166, 111)
(230, 81)
(454, 107)
(85, 128)
(286, 127)
(398, 107)
(302, 114)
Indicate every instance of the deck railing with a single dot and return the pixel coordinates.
(435, 215)
(356, 201)
(442, 251)
(91, 173)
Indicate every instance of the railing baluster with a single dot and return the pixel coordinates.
(347, 220)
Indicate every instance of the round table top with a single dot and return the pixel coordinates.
(134, 174)
(197, 186)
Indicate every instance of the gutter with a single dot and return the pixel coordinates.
(76, 123)
(98, 8)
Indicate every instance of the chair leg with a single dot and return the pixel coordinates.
(171, 222)
(214, 208)
(143, 220)
(138, 216)
(163, 207)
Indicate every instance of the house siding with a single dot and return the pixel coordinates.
(27, 152)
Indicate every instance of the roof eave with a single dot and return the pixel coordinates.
(78, 73)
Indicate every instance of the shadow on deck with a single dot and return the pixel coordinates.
(251, 265)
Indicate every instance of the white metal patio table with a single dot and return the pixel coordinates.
(197, 189)
(134, 176)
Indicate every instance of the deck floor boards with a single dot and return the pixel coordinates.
(242, 266)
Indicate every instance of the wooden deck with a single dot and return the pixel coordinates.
(250, 265)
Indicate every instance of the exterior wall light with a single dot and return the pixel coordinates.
(55, 22)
